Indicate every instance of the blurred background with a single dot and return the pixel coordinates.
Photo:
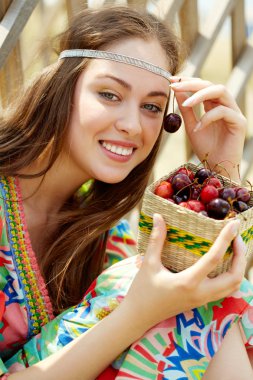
(218, 35)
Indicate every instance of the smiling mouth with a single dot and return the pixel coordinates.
(117, 149)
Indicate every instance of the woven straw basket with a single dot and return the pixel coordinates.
(189, 234)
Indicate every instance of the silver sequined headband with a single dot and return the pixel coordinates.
(86, 53)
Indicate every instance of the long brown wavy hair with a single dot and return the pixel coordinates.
(75, 254)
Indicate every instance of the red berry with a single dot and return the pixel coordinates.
(186, 171)
(196, 206)
(172, 122)
(208, 193)
(218, 208)
(214, 182)
(243, 194)
(185, 205)
(178, 199)
(195, 191)
(181, 182)
(202, 174)
(170, 178)
(228, 193)
(164, 190)
(240, 206)
(204, 193)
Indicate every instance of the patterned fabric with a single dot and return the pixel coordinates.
(27, 306)
(179, 348)
(24, 303)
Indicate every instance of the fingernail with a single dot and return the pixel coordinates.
(176, 85)
(187, 102)
(235, 227)
(240, 239)
(155, 220)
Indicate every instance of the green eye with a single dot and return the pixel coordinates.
(108, 95)
(152, 108)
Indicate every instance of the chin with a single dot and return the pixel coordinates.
(111, 178)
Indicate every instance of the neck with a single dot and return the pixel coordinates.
(48, 193)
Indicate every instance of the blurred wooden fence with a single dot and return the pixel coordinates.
(14, 15)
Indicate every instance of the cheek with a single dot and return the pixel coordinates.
(87, 120)
(87, 108)
(151, 135)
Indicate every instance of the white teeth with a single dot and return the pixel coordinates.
(123, 151)
(119, 150)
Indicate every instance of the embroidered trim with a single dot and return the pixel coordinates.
(89, 53)
(40, 310)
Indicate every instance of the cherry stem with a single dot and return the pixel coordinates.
(173, 100)
(185, 187)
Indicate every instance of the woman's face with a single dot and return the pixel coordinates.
(117, 113)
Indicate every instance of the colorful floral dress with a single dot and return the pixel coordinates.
(178, 348)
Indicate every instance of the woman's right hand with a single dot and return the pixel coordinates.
(157, 294)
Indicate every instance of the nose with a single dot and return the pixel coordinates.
(129, 120)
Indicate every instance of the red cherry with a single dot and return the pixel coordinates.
(185, 205)
(196, 206)
(170, 178)
(186, 171)
(180, 181)
(214, 182)
(242, 194)
(227, 193)
(202, 174)
(164, 190)
(240, 206)
(218, 208)
(195, 192)
(172, 122)
(208, 193)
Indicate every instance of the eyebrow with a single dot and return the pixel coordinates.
(129, 87)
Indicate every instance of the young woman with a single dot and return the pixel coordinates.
(97, 114)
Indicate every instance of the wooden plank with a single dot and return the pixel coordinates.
(189, 34)
(247, 158)
(189, 25)
(12, 24)
(11, 77)
(239, 39)
(12, 69)
(74, 6)
(207, 36)
(238, 29)
(4, 5)
(166, 9)
(140, 4)
(242, 70)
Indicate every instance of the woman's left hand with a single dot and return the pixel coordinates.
(220, 133)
